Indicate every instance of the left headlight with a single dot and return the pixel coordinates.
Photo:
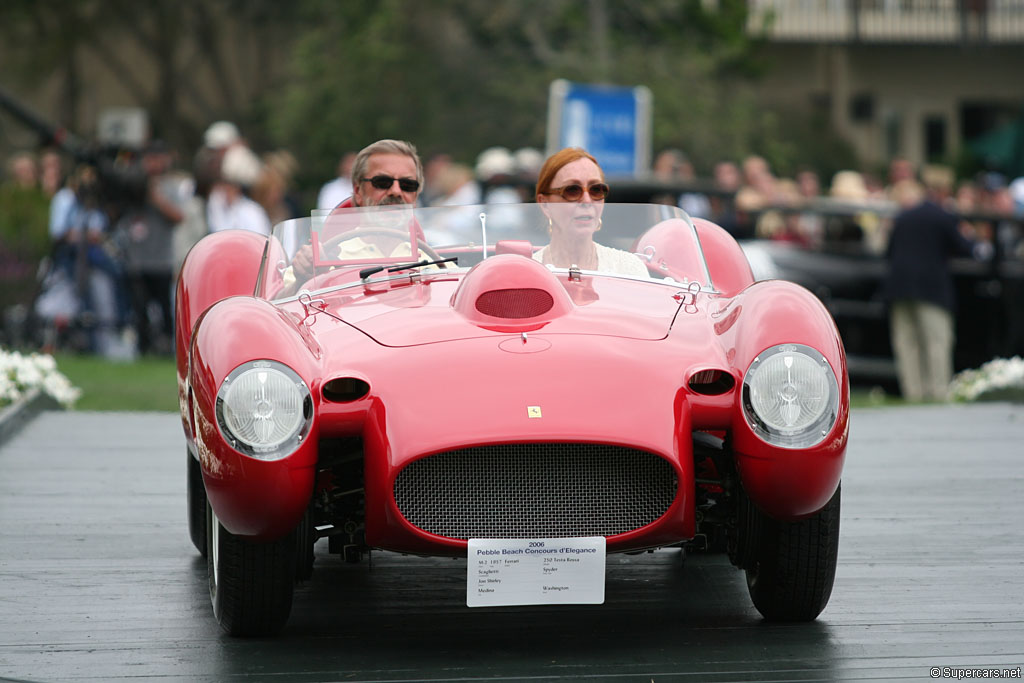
(790, 396)
(264, 409)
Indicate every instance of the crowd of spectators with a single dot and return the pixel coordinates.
(80, 260)
(89, 251)
(851, 208)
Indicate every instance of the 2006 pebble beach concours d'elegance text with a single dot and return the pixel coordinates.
(432, 387)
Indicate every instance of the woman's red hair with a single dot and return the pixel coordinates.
(554, 164)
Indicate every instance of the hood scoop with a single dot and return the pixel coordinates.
(515, 304)
(510, 293)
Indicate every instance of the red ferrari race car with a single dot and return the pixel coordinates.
(425, 381)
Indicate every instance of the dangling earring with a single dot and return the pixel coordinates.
(598, 225)
(550, 225)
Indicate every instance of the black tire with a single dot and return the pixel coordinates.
(794, 566)
(196, 504)
(251, 584)
(304, 541)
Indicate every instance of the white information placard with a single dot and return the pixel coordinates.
(536, 571)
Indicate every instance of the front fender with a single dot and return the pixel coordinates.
(786, 483)
(252, 497)
(220, 265)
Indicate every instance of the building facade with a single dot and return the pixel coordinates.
(920, 79)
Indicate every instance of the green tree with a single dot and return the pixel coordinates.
(186, 62)
(320, 77)
(461, 75)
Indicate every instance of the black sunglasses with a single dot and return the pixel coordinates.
(384, 182)
(574, 192)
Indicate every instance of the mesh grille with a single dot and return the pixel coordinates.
(526, 302)
(535, 491)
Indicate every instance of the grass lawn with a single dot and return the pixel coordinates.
(147, 384)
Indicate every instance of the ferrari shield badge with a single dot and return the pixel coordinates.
(533, 411)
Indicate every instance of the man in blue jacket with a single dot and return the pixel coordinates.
(919, 289)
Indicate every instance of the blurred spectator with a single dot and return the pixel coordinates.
(529, 161)
(875, 187)
(1011, 241)
(674, 167)
(336, 191)
(1012, 237)
(229, 206)
(723, 206)
(74, 210)
(433, 169)
(780, 226)
(991, 181)
(495, 170)
(758, 189)
(51, 172)
(665, 170)
(859, 224)
(457, 186)
(1006, 231)
(811, 224)
(272, 190)
(193, 226)
(84, 282)
(966, 198)
(206, 169)
(22, 171)
(907, 193)
(23, 238)
(1017, 194)
(221, 134)
(146, 235)
(965, 204)
(808, 184)
(777, 223)
(900, 169)
(919, 290)
(787, 192)
(848, 186)
(666, 165)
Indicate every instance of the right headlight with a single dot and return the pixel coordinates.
(264, 409)
(790, 396)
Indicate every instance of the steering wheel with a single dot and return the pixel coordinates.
(396, 237)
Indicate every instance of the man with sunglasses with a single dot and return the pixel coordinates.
(385, 173)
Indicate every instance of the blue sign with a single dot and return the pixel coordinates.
(611, 123)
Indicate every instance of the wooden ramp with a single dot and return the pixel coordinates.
(99, 582)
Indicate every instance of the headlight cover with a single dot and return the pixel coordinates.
(264, 409)
(790, 396)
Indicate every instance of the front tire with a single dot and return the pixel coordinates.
(251, 583)
(793, 566)
(196, 504)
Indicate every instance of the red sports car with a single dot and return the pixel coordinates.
(423, 381)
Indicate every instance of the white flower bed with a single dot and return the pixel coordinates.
(1001, 379)
(20, 374)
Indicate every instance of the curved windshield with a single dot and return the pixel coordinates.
(346, 246)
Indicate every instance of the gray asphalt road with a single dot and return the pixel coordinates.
(99, 582)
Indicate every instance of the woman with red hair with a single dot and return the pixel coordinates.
(571, 190)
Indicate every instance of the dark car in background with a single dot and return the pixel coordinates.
(847, 275)
(989, 318)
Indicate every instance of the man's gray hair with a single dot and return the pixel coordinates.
(385, 147)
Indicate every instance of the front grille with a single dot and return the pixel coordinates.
(548, 490)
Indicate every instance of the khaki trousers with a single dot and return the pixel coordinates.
(922, 343)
